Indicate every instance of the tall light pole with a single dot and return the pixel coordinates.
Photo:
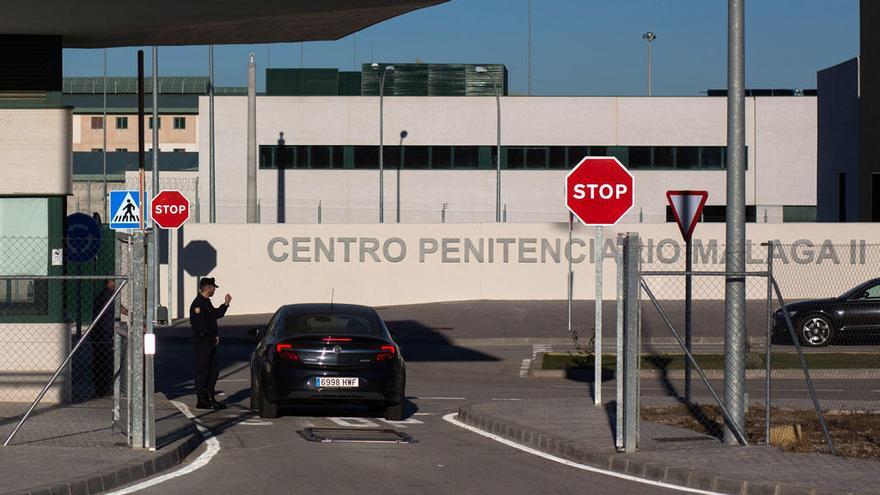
(530, 48)
(403, 135)
(482, 70)
(735, 285)
(252, 140)
(212, 189)
(650, 37)
(382, 73)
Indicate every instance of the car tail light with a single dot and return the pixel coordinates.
(386, 352)
(332, 340)
(286, 352)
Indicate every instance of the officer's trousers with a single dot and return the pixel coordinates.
(207, 368)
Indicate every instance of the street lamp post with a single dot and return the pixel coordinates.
(382, 73)
(482, 70)
(403, 135)
(650, 37)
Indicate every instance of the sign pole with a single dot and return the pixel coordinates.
(599, 260)
(688, 308)
(570, 274)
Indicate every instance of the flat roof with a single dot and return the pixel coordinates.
(98, 23)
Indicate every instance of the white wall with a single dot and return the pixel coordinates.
(36, 157)
(240, 259)
(781, 139)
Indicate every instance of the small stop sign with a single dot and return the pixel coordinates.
(599, 190)
(169, 209)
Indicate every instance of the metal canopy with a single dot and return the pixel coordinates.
(99, 23)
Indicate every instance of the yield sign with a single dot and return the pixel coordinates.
(687, 207)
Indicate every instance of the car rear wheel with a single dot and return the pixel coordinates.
(815, 331)
(267, 408)
(394, 411)
(254, 403)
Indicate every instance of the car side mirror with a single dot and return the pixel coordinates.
(255, 333)
(394, 334)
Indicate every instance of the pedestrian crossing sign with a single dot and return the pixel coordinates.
(126, 211)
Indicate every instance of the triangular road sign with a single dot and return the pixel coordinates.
(687, 206)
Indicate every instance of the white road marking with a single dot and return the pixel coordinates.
(233, 380)
(506, 399)
(440, 398)
(451, 419)
(524, 368)
(423, 414)
(402, 424)
(354, 422)
(255, 422)
(213, 446)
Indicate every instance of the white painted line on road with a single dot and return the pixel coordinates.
(439, 398)
(402, 424)
(256, 422)
(423, 414)
(354, 422)
(524, 368)
(506, 399)
(234, 380)
(451, 419)
(213, 446)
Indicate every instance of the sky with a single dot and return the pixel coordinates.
(580, 47)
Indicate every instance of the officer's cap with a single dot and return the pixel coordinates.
(205, 281)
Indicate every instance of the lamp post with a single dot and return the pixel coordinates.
(482, 70)
(649, 37)
(403, 135)
(382, 73)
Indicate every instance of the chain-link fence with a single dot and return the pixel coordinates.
(61, 302)
(832, 295)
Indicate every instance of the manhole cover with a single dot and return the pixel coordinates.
(355, 435)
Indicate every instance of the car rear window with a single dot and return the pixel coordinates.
(329, 324)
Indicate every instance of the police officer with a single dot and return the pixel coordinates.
(203, 318)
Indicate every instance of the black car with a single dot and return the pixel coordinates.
(326, 353)
(817, 322)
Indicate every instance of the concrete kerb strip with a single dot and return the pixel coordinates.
(622, 463)
(535, 371)
(120, 475)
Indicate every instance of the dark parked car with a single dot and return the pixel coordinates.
(817, 322)
(326, 353)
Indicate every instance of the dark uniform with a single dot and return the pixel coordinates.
(101, 339)
(203, 318)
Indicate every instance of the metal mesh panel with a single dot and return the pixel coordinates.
(832, 295)
(47, 305)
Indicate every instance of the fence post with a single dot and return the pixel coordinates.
(632, 346)
(618, 368)
(768, 399)
(149, 387)
(136, 338)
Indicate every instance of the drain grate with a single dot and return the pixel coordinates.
(355, 435)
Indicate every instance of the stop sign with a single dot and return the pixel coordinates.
(599, 190)
(169, 209)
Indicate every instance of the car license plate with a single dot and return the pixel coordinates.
(335, 382)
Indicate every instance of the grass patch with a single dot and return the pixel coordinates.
(755, 360)
(855, 435)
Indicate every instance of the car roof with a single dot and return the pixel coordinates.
(350, 309)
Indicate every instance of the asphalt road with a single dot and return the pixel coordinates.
(270, 456)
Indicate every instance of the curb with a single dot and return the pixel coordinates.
(714, 374)
(120, 475)
(625, 464)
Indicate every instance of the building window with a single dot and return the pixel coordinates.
(716, 214)
(94, 150)
(441, 157)
(122, 122)
(416, 157)
(122, 150)
(160, 122)
(97, 123)
(798, 214)
(179, 123)
(179, 150)
(366, 157)
(466, 157)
